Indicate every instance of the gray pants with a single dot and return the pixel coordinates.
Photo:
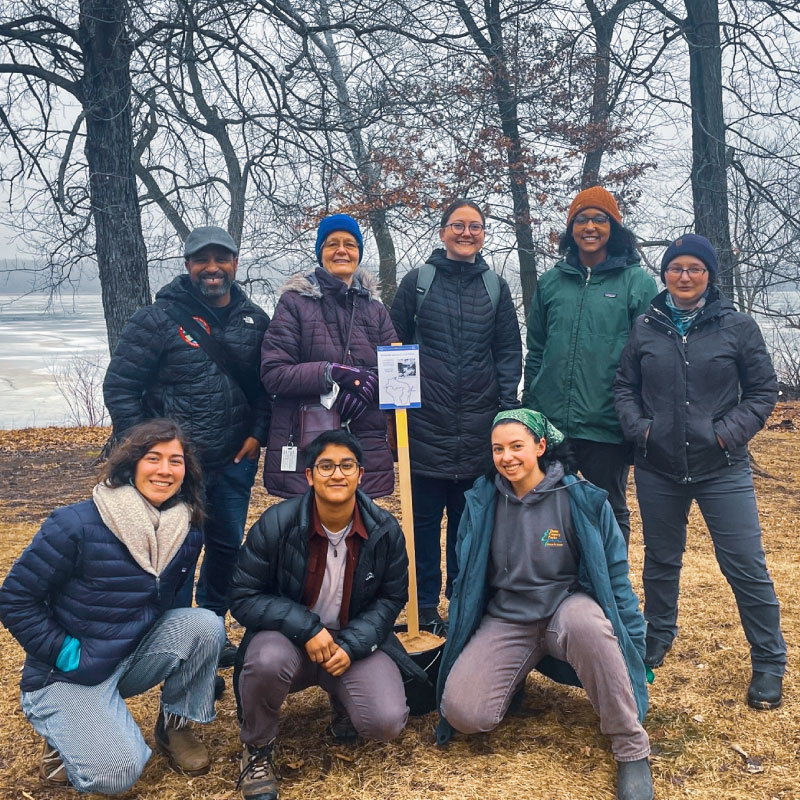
(500, 654)
(101, 745)
(371, 689)
(728, 506)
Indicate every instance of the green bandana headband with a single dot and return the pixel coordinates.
(534, 421)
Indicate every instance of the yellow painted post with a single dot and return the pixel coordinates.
(407, 512)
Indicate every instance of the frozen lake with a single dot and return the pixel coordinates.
(37, 341)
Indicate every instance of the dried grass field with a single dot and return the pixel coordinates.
(706, 742)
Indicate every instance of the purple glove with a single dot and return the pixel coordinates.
(355, 380)
(350, 406)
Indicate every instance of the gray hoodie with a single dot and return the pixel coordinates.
(533, 564)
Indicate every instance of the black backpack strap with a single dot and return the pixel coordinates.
(213, 349)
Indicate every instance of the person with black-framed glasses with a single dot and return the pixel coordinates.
(319, 583)
(695, 383)
(579, 320)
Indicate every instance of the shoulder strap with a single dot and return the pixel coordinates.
(425, 275)
(491, 281)
(213, 349)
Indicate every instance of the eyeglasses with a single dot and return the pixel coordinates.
(347, 467)
(474, 227)
(598, 219)
(692, 272)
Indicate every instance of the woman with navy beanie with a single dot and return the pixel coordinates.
(695, 383)
(321, 349)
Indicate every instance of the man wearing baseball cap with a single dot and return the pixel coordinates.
(194, 356)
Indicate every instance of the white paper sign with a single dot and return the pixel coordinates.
(398, 377)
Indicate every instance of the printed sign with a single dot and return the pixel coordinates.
(398, 377)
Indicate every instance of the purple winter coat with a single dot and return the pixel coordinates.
(308, 331)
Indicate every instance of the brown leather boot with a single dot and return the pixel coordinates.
(51, 768)
(176, 740)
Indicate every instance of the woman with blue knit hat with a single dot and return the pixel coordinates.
(321, 350)
(695, 383)
(543, 584)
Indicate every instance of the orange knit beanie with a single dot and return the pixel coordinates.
(594, 197)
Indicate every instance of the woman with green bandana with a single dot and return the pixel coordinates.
(543, 584)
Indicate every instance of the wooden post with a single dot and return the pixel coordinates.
(407, 513)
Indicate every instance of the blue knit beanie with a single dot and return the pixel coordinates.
(690, 244)
(338, 222)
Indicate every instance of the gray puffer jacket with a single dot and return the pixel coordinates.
(310, 329)
(717, 380)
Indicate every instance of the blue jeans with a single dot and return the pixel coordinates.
(227, 499)
(728, 506)
(431, 496)
(98, 740)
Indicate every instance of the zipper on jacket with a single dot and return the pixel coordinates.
(577, 326)
(459, 360)
(158, 588)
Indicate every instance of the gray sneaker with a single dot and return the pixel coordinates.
(257, 779)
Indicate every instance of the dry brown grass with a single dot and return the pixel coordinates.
(699, 724)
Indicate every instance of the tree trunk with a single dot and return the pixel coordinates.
(106, 96)
(507, 107)
(387, 264)
(600, 110)
(709, 173)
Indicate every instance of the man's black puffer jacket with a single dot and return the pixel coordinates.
(267, 586)
(158, 371)
(717, 380)
(470, 366)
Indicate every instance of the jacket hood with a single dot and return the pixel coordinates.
(571, 264)
(306, 284)
(180, 290)
(440, 260)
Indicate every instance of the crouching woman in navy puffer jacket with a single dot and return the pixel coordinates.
(90, 600)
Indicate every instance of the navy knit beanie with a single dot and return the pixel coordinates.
(690, 244)
(338, 222)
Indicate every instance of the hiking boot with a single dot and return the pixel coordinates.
(51, 768)
(219, 687)
(228, 654)
(341, 728)
(257, 779)
(655, 651)
(176, 740)
(634, 780)
(764, 692)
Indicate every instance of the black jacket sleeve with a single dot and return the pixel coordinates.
(132, 368)
(374, 623)
(507, 349)
(255, 598)
(45, 565)
(628, 391)
(759, 389)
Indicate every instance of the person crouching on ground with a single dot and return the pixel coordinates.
(90, 600)
(319, 584)
(543, 584)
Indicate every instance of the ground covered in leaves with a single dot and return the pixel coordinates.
(706, 742)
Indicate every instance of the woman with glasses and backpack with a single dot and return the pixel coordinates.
(695, 384)
(579, 320)
(461, 314)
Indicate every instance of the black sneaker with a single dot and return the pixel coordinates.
(258, 779)
(341, 728)
(765, 691)
(228, 655)
(429, 618)
(655, 651)
(219, 687)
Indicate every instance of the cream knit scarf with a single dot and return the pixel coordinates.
(152, 537)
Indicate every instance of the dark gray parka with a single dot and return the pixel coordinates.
(717, 380)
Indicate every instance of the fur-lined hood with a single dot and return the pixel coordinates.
(306, 285)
